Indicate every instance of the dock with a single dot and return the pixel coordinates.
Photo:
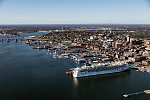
(143, 68)
(10, 39)
(132, 94)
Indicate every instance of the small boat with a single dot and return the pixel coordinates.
(38, 47)
(54, 56)
(81, 60)
(7, 40)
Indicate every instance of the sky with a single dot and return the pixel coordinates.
(74, 11)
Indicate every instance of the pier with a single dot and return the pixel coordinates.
(132, 94)
(10, 39)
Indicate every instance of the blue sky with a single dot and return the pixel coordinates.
(74, 11)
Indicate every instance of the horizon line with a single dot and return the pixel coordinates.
(76, 24)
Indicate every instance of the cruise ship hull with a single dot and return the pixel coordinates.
(85, 74)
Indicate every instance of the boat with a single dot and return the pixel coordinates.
(55, 56)
(27, 42)
(65, 55)
(37, 47)
(7, 40)
(81, 60)
(101, 68)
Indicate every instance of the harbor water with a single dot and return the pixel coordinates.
(31, 74)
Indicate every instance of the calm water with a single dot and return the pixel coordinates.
(29, 74)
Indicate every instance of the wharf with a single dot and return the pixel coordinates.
(143, 68)
(9, 39)
(145, 91)
(34, 39)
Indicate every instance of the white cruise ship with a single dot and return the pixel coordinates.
(101, 68)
